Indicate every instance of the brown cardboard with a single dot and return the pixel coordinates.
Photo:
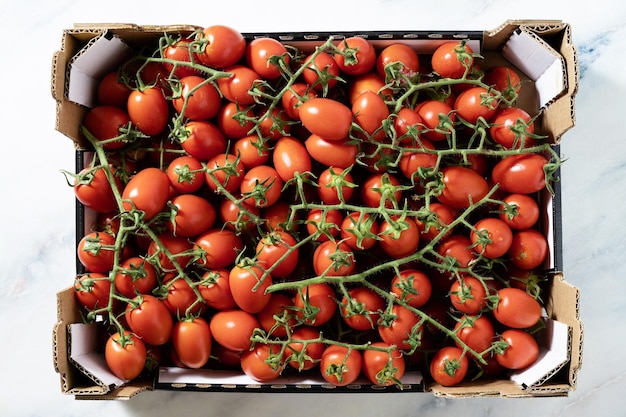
(558, 116)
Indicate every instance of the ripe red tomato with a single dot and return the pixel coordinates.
(325, 223)
(93, 190)
(359, 230)
(449, 366)
(180, 52)
(238, 218)
(402, 56)
(477, 332)
(220, 246)
(149, 319)
(403, 330)
(417, 158)
(236, 88)
(135, 276)
(520, 173)
(399, 238)
(224, 171)
(340, 154)
(462, 186)
(381, 190)
(492, 237)
(321, 72)
(186, 174)
(112, 91)
(517, 309)
(96, 252)
(503, 79)
(290, 157)
(169, 251)
(522, 350)
(443, 217)
(381, 367)
(261, 186)
(296, 95)
(529, 249)
(407, 125)
(181, 300)
(203, 140)
(224, 46)
(303, 352)
(198, 100)
(194, 215)
(335, 185)
(519, 211)
(326, 118)
(104, 123)
(278, 316)
(250, 151)
(147, 191)
(315, 304)
(452, 59)
(332, 259)
(475, 103)
(92, 290)
(248, 285)
(356, 56)
(235, 121)
(512, 127)
(369, 81)
(412, 286)
(192, 340)
(361, 308)
(148, 110)
(125, 355)
(277, 253)
(233, 329)
(432, 112)
(263, 362)
(370, 110)
(215, 289)
(458, 248)
(340, 366)
(468, 295)
(262, 54)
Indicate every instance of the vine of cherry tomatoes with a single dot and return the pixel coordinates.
(347, 210)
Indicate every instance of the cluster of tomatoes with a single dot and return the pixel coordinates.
(348, 210)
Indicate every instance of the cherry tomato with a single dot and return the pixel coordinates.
(522, 350)
(340, 366)
(383, 367)
(370, 110)
(125, 355)
(93, 190)
(475, 103)
(452, 59)
(233, 121)
(407, 125)
(92, 290)
(104, 123)
(335, 185)
(462, 187)
(290, 157)
(258, 363)
(412, 286)
(327, 118)
(238, 216)
(529, 249)
(199, 99)
(203, 140)
(402, 56)
(399, 238)
(236, 88)
(224, 170)
(322, 72)
(180, 51)
(278, 315)
(277, 252)
(315, 304)
(148, 110)
(214, 287)
(96, 252)
(181, 300)
(147, 191)
(503, 79)
(340, 154)
(468, 295)
(359, 230)
(261, 186)
(325, 223)
(492, 237)
(262, 54)
(437, 117)
(220, 246)
(303, 352)
(333, 258)
(361, 308)
(169, 251)
(356, 56)
(248, 285)
(112, 91)
(192, 341)
(135, 276)
(443, 216)
(519, 211)
(149, 319)
(477, 332)
(369, 81)
(449, 366)
(224, 46)
(517, 309)
(296, 95)
(520, 173)
(381, 190)
(250, 151)
(194, 215)
(233, 329)
(512, 127)
(186, 174)
(403, 330)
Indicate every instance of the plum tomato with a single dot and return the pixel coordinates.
(193, 216)
(383, 364)
(477, 332)
(220, 247)
(370, 110)
(148, 110)
(248, 285)
(521, 352)
(335, 185)
(462, 187)
(233, 328)
(517, 309)
(449, 365)
(360, 230)
(93, 190)
(186, 174)
(529, 249)
(125, 355)
(512, 127)
(147, 191)
(149, 319)
(261, 186)
(104, 123)
(492, 237)
(92, 290)
(278, 316)
(262, 55)
(224, 171)
(277, 252)
(519, 211)
(520, 173)
(361, 307)
(96, 252)
(475, 103)
(468, 295)
(290, 157)
(198, 100)
(355, 56)
(340, 366)
(263, 362)
(135, 275)
(192, 341)
(214, 287)
(326, 118)
(203, 140)
(321, 72)
(303, 352)
(236, 87)
(452, 59)
(402, 57)
(340, 154)
(437, 118)
(223, 46)
(412, 286)
(315, 304)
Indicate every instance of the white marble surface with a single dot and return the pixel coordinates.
(37, 238)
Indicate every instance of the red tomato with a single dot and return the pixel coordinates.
(414, 161)
(278, 315)
(399, 238)
(203, 140)
(238, 216)
(449, 366)
(194, 215)
(296, 95)
(468, 295)
(522, 350)
(520, 173)
(381, 367)
(477, 332)
(321, 72)
(192, 341)
(248, 285)
(235, 122)
(326, 118)
(361, 308)
(290, 157)
(519, 211)
(335, 185)
(224, 171)
(220, 246)
(148, 110)
(149, 319)
(442, 216)
(147, 191)
(214, 287)
(340, 154)
(198, 100)
(261, 186)
(503, 79)
(340, 366)
(370, 110)
(370, 81)
(224, 46)
(412, 286)
(381, 190)
(529, 249)
(517, 309)
(135, 276)
(407, 125)
(475, 103)
(186, 174)
(278, 216)
(356, 56)
(437, 117)
(112, 91)
(462, 186)
(452, 59)
(169, 251)
(181, 300)
(125, 355)
(263, 362)
(277, 253)
(96, 252)
(333, 259)
(315, 304)
(273, 123)
(93, 290)
(324, 223)
(401, 57)
(233, 329)
(236, 88)
(93, 190)
(250, 151)
(403, 330)
(359, 230)
(262, 55)
(303, 352)
(458, 248)
(512, 128)
(104, 123)
(181, 53)
(492, 237)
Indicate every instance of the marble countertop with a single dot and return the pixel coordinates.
(37, 239)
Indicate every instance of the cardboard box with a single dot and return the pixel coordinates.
(541, 49)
